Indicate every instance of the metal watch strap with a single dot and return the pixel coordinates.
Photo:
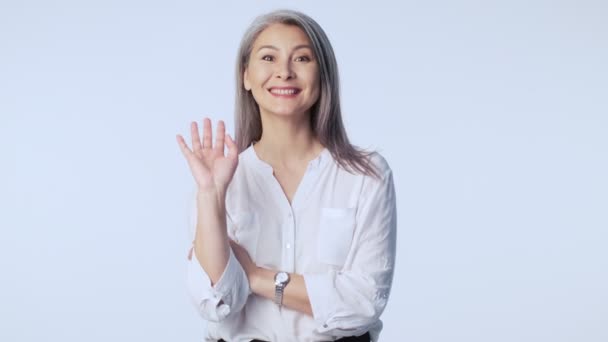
(278, 295)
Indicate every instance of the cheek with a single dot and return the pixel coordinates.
(259, 75)
(258, 83)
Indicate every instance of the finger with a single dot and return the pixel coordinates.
(233, 151)
(188, 154)
(207, 133)
(183, 147)
(196, 139)
(219, 138)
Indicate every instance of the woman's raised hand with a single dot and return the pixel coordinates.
(211, 169)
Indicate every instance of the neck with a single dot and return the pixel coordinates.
(287, 141)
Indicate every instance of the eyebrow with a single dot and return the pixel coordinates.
(303, 46)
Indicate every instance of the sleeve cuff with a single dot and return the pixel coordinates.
(318, 287)
(214, 302)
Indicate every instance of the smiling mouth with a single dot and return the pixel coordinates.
(284, 91)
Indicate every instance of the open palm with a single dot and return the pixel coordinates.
(211, 169)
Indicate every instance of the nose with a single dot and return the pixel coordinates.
(284, 70)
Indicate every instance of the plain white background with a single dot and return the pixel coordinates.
(492, 115)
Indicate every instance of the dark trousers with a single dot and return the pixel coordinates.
(363, 338)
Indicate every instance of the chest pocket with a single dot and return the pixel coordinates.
(336, 229)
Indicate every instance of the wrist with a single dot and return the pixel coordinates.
(211, 195)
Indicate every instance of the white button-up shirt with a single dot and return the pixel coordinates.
(339, 233)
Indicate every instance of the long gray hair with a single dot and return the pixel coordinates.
(325, 114)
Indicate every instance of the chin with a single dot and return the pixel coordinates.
(292, 114)
(287, 112)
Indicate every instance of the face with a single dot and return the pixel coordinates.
(283, 74)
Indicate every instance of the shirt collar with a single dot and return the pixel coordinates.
(318, 162)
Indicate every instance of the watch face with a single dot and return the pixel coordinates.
(281, 277)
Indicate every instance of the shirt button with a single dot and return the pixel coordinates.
(289, 214)
(288, 245)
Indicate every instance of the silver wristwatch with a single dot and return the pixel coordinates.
(280, 281)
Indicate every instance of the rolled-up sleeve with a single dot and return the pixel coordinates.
(350, 301)
(229, 294)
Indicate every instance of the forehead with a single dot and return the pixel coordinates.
(281, 36)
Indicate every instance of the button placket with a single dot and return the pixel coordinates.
(289, 237)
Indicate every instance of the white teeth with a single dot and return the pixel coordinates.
(283, 91)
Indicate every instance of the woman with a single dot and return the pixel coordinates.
(297, 243)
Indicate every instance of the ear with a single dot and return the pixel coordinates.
(246, 82)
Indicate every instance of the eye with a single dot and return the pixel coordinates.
(303, 58)
(267, 58)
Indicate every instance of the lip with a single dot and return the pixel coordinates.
(297, 91)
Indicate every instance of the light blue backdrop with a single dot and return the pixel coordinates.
(493, 116)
